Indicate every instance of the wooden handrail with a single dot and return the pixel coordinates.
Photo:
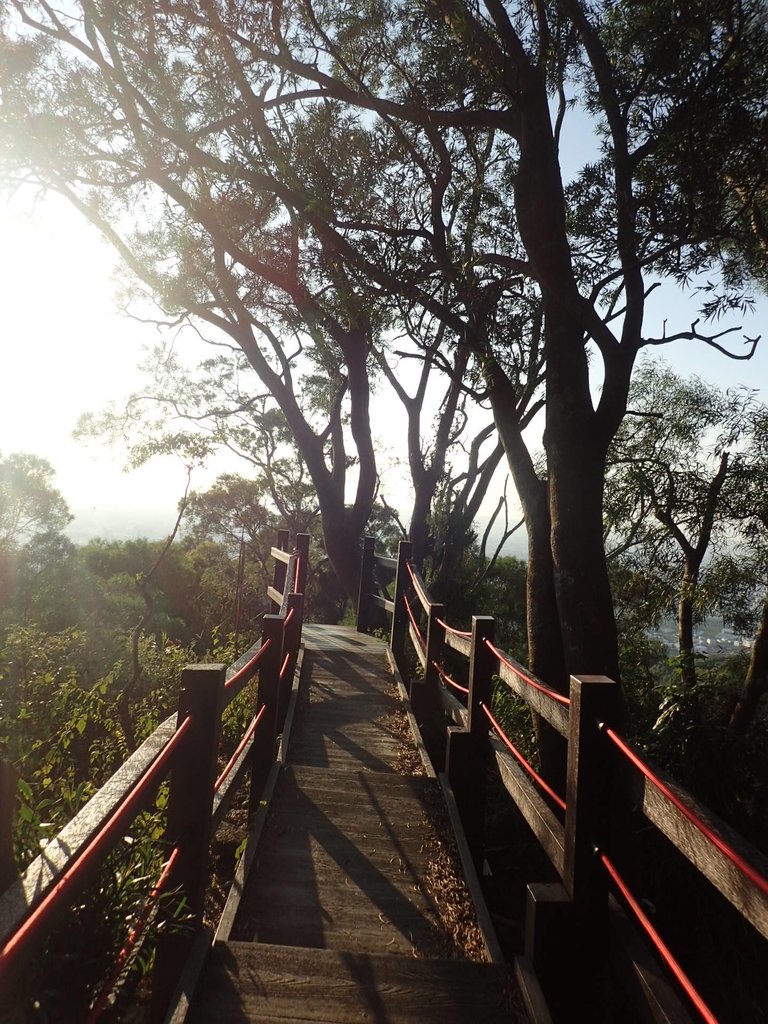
(194, 808)
(592, 765)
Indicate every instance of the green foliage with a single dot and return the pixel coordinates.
(29, 503)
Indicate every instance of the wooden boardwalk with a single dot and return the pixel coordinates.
(349, 910)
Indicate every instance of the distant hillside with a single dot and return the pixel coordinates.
(118, 523)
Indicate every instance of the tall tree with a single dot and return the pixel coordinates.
(30, 505)
(251, 131)
(677, 470)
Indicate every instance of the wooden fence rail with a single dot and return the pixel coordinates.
(184, 749)
(568, 924)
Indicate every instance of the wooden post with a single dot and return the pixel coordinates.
(425, 693)
(587, 823)
(302, 547)
(8, 781)
(467, 754)
(263, 749)
(189, 820)
(549, 942)
(291, 634)
(400, 614)
(366, 584)
(278, 580)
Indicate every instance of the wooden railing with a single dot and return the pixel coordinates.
(184, 749)
(574, 926)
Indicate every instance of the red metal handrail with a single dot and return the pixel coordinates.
(525, 764)
(133, 937)
(284, 667)
(559, 697)
(451, 682)
(528, 767)
(296, 575)
(240, 747)
(246, 669)
(725, 848)
(657, 941)
(450, 629)
(413, 620)
(418, 586)
(93, 851)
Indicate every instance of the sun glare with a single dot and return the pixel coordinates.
(65, 350)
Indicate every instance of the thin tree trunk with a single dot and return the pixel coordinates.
(545, 649)
(685, 625)
(756, 681)
(576, 453)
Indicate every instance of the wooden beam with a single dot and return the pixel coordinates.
(540, 818)
(738, 889)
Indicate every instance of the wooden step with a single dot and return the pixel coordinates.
(342, 864)
(247, 982)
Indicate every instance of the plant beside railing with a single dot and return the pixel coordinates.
(179, 769)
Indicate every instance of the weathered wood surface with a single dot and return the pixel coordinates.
(343, 862)
(336, 921)
(61, 851)
(743, 894)
(277, 983)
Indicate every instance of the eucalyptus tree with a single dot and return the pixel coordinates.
(742, 577)
(30, 504)
(318, 164)
(678, 466)
(138, 118)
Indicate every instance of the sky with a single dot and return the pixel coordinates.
(65, 349)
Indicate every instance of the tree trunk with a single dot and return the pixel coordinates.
(685, 625)
(545, 649)
(576, 438)
(756, 682)
(418, 529)
(344, 552)
(576, 452)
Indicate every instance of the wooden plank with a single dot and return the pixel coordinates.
(378, 919)
(728, 879)
(382, 602)
(57, 854)
(247, 982)
(385, 782)
(190, 976)
(420, 589)
(541, 819)
(312, 852)
(412, 723)
(281, 556)
(225, 795)
(533, 998)
(549, 709)
(242, 661)
(488, 932)
(385, 562)
(453, 707)
(275, 595)
(462, 644)
(637, 968)
(290, 717)
(246, 860)
(417, 645)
